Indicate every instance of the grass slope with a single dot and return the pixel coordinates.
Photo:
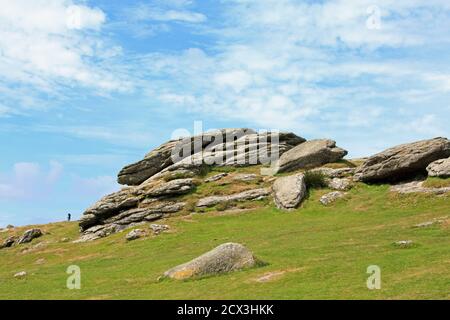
(314, 252)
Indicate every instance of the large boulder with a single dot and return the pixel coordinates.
(29, 235)
(310, 154)
(162, 157)
(233, 147)
(403, 161)
(289, 191)
(439, 168)
(225, 258)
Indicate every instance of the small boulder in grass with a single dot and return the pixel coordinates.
(404, 243)
(135, 234)
(225, 258)
(20, 275)
(8, 242)
(158, 228)
(29, 235)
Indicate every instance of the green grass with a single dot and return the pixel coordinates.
(323, 251)
(435, 182)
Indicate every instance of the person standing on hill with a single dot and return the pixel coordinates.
(69, 217)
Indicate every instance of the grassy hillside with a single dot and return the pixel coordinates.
(313, 252)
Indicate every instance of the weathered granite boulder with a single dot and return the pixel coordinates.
(403, 161)
(8, 242)
(439, 168)
(171, 188)
(328, 198)
(225, 258)
(335, 173)
(29, 235)
(310, 154)
(416, 186)
(233, 147)
(255, 194)
(135, 234)
(289, 191)
(158, 228)
(154, 162)
(216, 177)
(341, 184)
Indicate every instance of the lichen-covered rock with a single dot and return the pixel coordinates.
(225, 258)
(8, 242)
(29, 235)
(158, 228)
(216, 177)
(341, 184)
(135, 234)
(310, 154)
(289, 191)
(403, 161)
(233, 147)
(328, 198)
(171, 188)
(439, 168)
(335, 173)
(416, 186)
(255, 194)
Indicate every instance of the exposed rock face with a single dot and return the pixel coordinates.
(216, 177)
(417, 187)
(255, 194)
(8, 242)
(29, 235)
(439, 168)
(289, 191)
(157, 160)
(335, 173)
(171, 188)
(135, 234)
(245, 148)
(339, 184)
(328, 198)
(403, 160)
(310, 154)
(158, 228)
(225, 258)
(173, 170)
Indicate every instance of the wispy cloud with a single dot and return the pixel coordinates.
(48, 46)
(29, 180)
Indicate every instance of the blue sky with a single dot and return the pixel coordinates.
(89, 86)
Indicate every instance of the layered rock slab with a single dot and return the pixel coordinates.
(309, 154)
(402, 161)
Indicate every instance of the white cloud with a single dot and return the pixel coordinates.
(97, 186)
(29, 180)
(47, 45)
(292, 64)
(145, 12)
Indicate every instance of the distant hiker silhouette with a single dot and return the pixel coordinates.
(69, 216)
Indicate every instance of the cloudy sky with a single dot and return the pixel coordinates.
(89, 86)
